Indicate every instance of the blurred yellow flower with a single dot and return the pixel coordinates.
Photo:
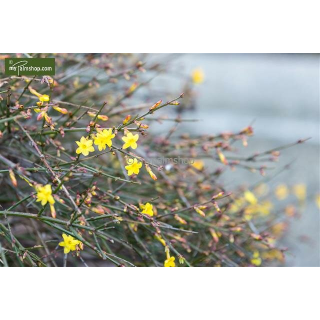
(198, 165)
(197, 76)
(237, 204)
(273, 254)
(318, 200)
(170, 262)
(256, 260)
(265, 207)
(130, 141)
(147, 209)
(69, 243)
(281, 191)
(250, 197)
(300, 191)
(103, 139)
(133, 167)
(85, 146)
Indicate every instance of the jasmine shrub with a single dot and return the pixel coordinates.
(79, 187)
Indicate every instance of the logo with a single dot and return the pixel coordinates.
(30, 66)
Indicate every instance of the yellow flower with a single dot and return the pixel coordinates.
(130, 141)
(250, 197)
(300, 191)
(147, 209)
(44, 194)
(69, 243)
(85, 146)
(133, 167)
(281, 191)
(237, 205)
(197, 76)
(170, 262)
(104, 138)
(256, 260)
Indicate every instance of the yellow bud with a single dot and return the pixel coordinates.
(61, 110)
(179, 219)
(214, 235)
(98, 209)
(156, 105)
(152, 175)
(102, 117)
(158, 237)
(200, 211)
(222, 157)
(248, 131)
(127, 119)
(133, 87)
(13, 178)
(53, 211)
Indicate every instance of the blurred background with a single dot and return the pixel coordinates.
(279, 95)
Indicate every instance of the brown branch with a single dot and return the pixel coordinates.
(42, 157)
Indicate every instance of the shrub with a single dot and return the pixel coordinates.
(84, 181)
